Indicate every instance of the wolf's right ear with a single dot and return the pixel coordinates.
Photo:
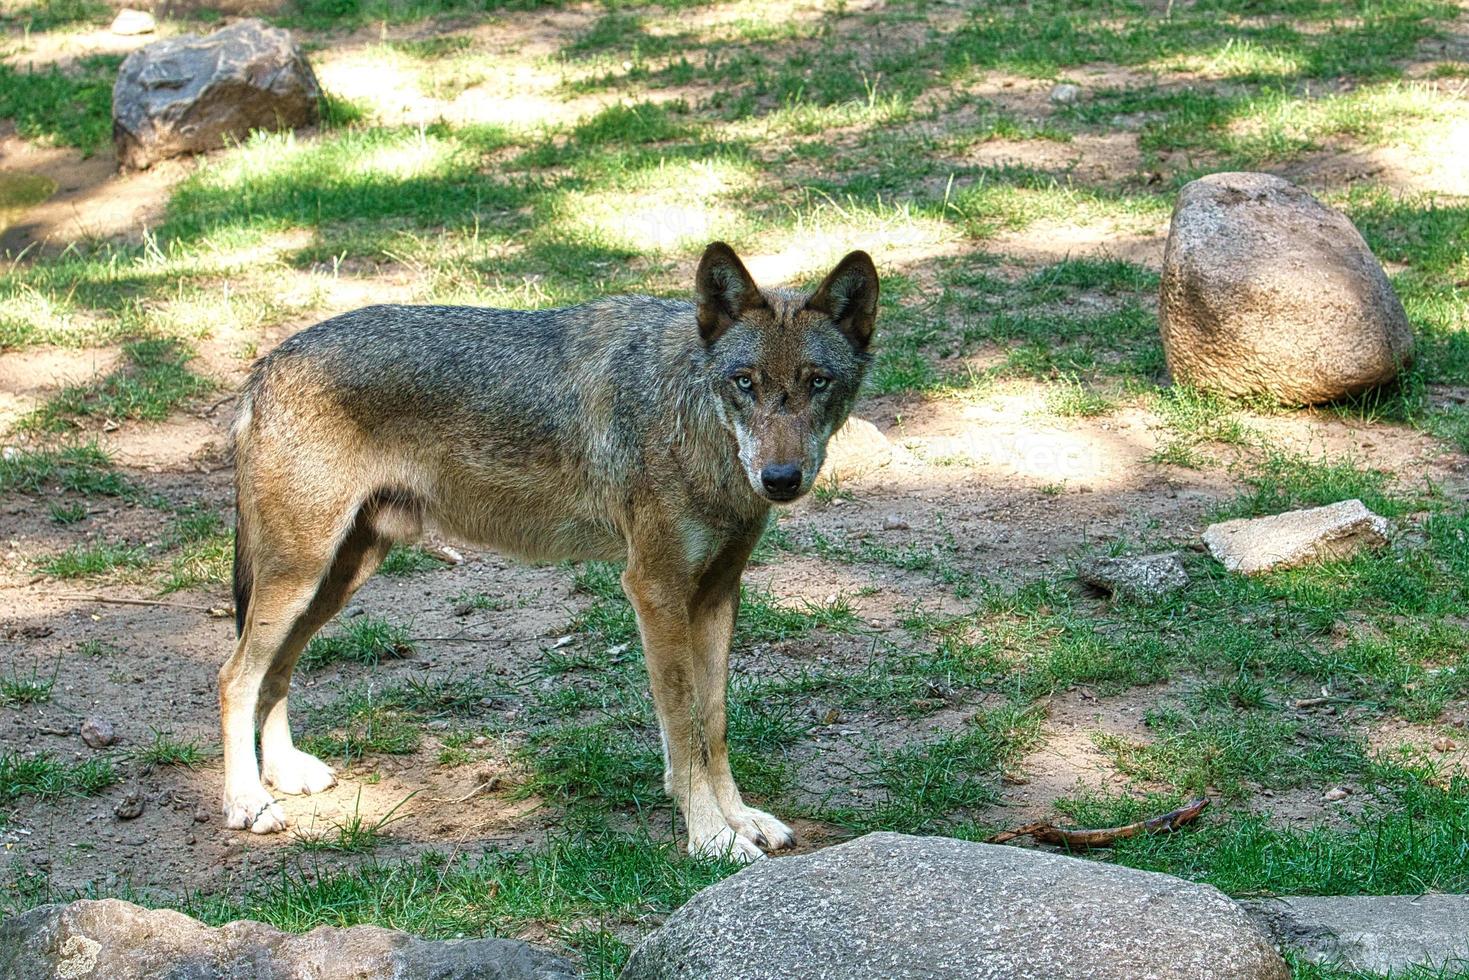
(725, 291)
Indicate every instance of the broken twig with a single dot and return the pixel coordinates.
(1082, 839)
(120, 601)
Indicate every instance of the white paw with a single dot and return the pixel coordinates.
(254, 810)
(761, 829)
(298, 773)
(725, 845)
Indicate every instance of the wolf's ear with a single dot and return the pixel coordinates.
(725, 291)
(849, 296)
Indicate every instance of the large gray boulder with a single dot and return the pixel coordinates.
(115, 940)
(189, 93)
(892, 907)
(1266, 291)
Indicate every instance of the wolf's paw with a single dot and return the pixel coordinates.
(725, 845)
(255, 811)
(298, 773)
(761, 829)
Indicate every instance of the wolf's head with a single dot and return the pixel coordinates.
(785, 366)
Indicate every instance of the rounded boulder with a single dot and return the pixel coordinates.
(1268, 292)
(896, 907)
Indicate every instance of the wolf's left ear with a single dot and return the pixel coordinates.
(849, 296)
(725, 291)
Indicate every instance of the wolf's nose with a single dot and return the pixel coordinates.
(782, 478)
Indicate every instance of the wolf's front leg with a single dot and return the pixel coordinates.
(687, 623)
(662, 604)
(712, 631)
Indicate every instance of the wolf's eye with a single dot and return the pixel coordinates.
(744, 382)
(820, 384)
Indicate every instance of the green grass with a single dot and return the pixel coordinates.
(84, 468)
(354, 835)
(365, 640)
(1409, 839)
(204, 551)
(46, 777)
(403, 561)
(31, 688)
(91, 560)
(66, 108)
(582, 884)
(166, 749)
(921, 787)
(389, 718)
(153, 381)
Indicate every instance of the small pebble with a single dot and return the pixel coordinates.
(1338, 793)
(1444, 745)
(98, 733)
(129, 22)
(1065, 94)
(130, 807)
(894, 523)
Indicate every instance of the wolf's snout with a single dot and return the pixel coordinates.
(782, 480)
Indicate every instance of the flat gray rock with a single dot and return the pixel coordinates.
(895, 907)
(1297, 537)
(1267, 291)
(1371, 933)
(1135, 578)
(115, 940)
(189, 94)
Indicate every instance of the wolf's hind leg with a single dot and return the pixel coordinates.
(277, 603)
(283, 766)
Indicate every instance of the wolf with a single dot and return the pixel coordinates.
(652, 431)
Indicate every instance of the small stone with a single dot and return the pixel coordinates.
(129, 22)
(1065, 94)
(1335, 794)
(201, 814)
(1139, 578)
(894, 523)
(1299, 537)
(98, 733)
(353, 611)
(1444, 745)
(130, 807)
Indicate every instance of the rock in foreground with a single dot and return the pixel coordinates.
(890, 906)
(1371, 933)
(1298, 537)
(189, 94)
(115, 940)
(1266, 291)
(1135, 578)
